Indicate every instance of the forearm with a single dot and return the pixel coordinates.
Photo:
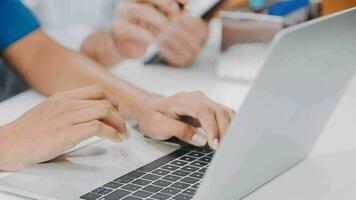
(52, 68)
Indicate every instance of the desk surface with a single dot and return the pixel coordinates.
(326, 174)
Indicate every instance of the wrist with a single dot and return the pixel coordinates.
(8, 159)
(142, 107)
(100, 47)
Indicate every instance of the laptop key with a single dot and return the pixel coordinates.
(171, 178)
(197, 175)
(182, 197)
(203, 170)
(152, 188)
(164, 160)
(190, 191)
(131, 198)
(179, 163)
(199, 164)
(161, 172)
(196, 186)
(160, 196)
(142, 194)
(124, 179)
(151, 177)
(171, 191)
(204, 150)
(104, 192)
(189, 180)
(162, 183)
(142, 182)
(131, 187)
(210, 155)
(180, 185)
(117, 194)
(187, 158)
(181, 173)
(113, 185)
(190, 168)
(196, 154)
(205, 159)
(90, 196)
(170, 167)
(98, 190)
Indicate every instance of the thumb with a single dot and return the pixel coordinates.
(185, 132)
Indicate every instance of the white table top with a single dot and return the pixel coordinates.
(326, 174)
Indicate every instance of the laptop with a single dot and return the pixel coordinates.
(305, 75)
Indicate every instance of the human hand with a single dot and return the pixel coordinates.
(183, 39)
(59, 123)
(138, 23)
(180, 116)
(180, 36)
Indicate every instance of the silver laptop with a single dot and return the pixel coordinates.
(296, 92)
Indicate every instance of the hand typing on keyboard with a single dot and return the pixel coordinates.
(57, 124)
(180, 116)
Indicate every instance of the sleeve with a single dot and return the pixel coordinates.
(16, 21)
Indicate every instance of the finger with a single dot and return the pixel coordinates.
(170, 55)
(184, 37)
(197, 27)
(190, 134)
(223, 119)
(107, 115)
(93, 92)
(169, 127)
(146, 16)
(207, 119)
(90, 129)
(176, 45)
(230, 112)
(132, 31)
(203, 113)
(190, 41)
(84, 104)
(168, 7)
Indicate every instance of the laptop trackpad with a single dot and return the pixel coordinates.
(83, 170)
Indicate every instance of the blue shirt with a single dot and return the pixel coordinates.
(16, 21)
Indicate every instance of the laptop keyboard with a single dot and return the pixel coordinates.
(176, 176)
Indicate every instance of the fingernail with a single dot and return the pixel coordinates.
(215, 144)
(199, 140)
(201, 131)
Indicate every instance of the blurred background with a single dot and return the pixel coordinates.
(240, 34)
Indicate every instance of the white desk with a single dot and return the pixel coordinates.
(327, 174)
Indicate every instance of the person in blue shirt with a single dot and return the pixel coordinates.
(85, 99)
(10, 83)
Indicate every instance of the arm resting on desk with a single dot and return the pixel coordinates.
(50, 68)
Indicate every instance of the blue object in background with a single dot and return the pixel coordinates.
(283, 8)
(257, 4)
